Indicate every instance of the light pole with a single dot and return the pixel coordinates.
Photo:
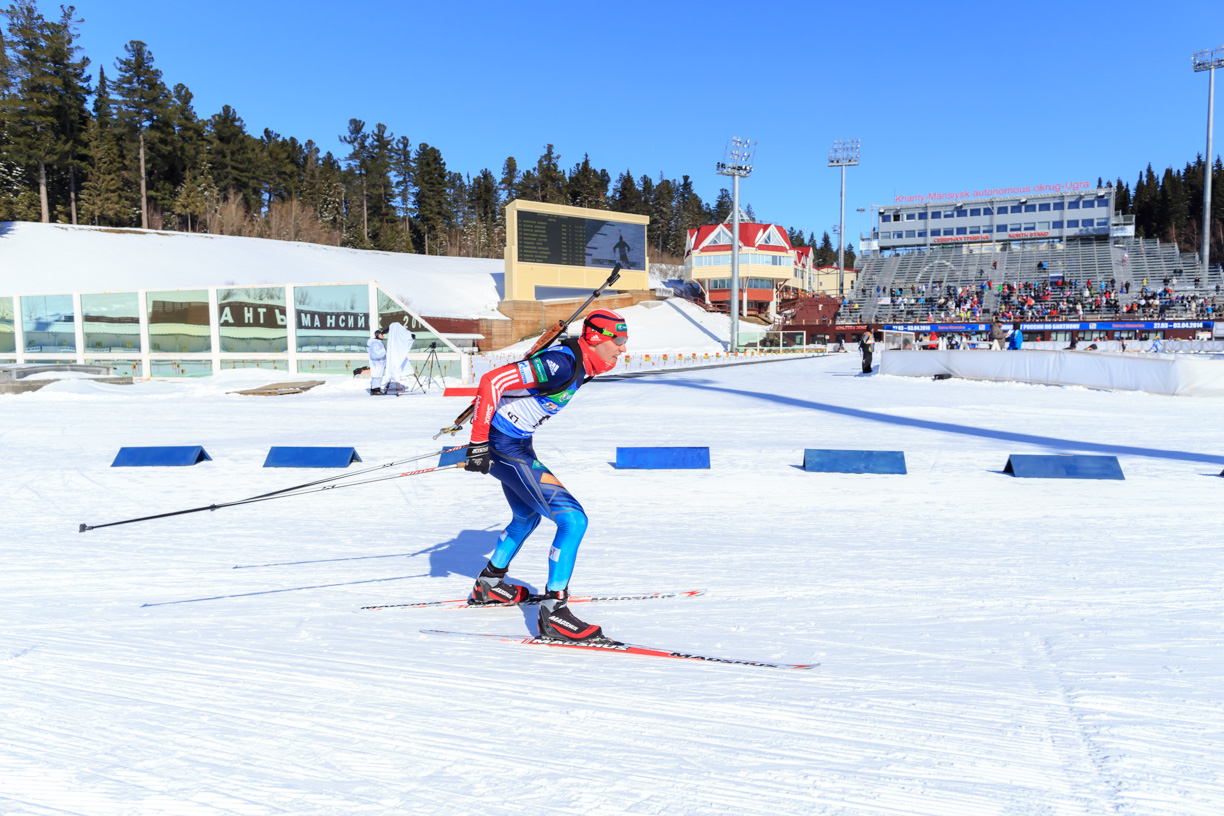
(843, 154)
(1208, 61)
(736, 163)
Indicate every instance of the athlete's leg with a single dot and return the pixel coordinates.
(523, 523)
(533, 491)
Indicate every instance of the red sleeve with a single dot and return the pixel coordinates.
(489, 392)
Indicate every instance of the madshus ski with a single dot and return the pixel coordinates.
(463, 603)
(622, 648)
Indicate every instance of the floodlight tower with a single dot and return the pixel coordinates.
(843, 154)
(736, 163)
(1208, 61)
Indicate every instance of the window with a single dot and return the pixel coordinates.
(391, 311)
(1029, 226)
(332, 318)
(911, 216)
(1001, 228)
(910, 234)
(1017, 227)
(1016, 208)
(1102, 222)
(962, 213)
(947, 231)
(1057, 225)
(47, 321)
(1088, 204)
(1058, 205)
(1073, 205)
(962, 230)
(1043, 207)
(253, 319)
(178, 322)
(1043, 225)
(987, 211)
(975, 212)
(1073, 223)
(921, 233)
(112, 322)
(1030, 208)
(921, 216)
(937, 215)
(948, 214)
(8, 337)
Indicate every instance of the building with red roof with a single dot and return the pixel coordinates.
(768, 263)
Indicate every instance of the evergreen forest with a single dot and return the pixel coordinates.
(125, 148)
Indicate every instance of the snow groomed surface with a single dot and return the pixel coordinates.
(988, 645)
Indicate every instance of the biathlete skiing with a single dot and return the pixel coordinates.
(512, 402)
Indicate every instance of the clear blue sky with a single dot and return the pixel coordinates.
(944, 96)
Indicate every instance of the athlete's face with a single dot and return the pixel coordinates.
(610, 349)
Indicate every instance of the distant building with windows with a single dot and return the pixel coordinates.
(1039, 217)
(767, 261)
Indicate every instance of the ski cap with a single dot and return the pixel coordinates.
(379, 332)
(604, 324)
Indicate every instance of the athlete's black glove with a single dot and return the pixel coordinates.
(477, 457)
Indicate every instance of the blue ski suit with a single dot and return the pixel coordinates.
(511, 404)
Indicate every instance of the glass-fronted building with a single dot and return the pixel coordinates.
(1038, 217)
(306, 328)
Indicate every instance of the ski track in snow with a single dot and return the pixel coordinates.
(989, 645)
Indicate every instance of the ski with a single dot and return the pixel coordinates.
(464, 603)
(623, 648)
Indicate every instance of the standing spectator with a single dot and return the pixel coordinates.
(1015, 340)
(378, 361)
(866, 348)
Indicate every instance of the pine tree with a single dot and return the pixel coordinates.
(401, 173)
(626, 197)
(509, 179)
(549, 179)
(722, 206)
(357, 140)
(379, 159)
(586, 186)
(232, 156)
(69, 68)
(104, 200)
(141, 105)
(430, 197)
(663, 213)
(29, 114)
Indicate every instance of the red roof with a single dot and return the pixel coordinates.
(750, 236)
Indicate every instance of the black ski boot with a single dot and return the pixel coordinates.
(491, 589)
(558, 622)
(374, 392)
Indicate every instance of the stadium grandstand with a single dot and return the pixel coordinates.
(1053, 258)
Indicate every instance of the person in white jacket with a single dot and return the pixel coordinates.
(378, 361)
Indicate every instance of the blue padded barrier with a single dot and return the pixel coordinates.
(451, 457)
(853, 461)
(311, 457)
(161, 456)
(1026, 466)
(663, 458)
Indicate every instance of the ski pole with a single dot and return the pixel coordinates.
(297, 490)
(546, 339)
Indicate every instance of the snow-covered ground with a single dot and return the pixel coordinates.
(988, 645)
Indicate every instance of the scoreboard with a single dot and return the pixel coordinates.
(564, 240)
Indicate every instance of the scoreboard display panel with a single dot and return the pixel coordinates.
(547, 238)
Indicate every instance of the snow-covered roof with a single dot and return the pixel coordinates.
(47, 259)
